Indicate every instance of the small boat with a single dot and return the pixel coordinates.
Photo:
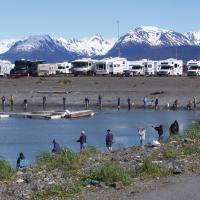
(80, 113)
(4, 115)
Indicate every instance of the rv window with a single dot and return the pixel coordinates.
(89, 64)
(115, 65)
(123, 62)
(175, 65)
(67, 66)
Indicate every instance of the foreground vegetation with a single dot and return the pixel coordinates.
(92, 167)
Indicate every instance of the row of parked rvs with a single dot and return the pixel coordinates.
(107, 66)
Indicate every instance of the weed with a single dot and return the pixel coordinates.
(110, 172)
(150, 168)
(6, 171)
(191, 149)
(170, 154)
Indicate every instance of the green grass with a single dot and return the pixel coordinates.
(6, 171)
(170, 154)
(110, 172)
(150, 168)
(61, 191)
(191, 149)
(67, 160)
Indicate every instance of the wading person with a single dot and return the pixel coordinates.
(56, 147)
(21, 162)
(174, 128)
(142, 133)
(109, 140)
(159, 130)
(118, 103)
(129, 103)
(100, 101)
(82, 140)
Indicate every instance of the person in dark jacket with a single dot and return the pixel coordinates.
(159, 130)
(109, 140)
(21, 161)
(56, 147)
(82, 140)
(174, 128)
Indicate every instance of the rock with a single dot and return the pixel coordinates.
(20, 180)
(118, 185)
(177, 170)
(19, 173)
(188, 140)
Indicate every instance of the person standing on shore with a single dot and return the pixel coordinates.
(11, 102)
(109, 140)
(174, 128)
(118, 103)
(156, 104)
(82, 140)
(194, 102)
(159, 130)
(142, 133)
(44, 102)
(3, 100)
(145, 100)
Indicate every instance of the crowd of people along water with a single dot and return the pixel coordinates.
(33, 136)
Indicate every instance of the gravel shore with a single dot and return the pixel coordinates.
(75, 89)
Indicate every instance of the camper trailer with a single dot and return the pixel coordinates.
(46, 69)
(136, 68)
(114, 66)
(151, 67)
(63, 68)
(5, 67)
(193, 68)
(171, 67)
(83, 66)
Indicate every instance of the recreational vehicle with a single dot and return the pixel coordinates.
(136, 68)
(114, 66)
(5, 67)
(171, 67)
(46, 69)
(83, 66)
(151, 67)
(63, 68)
(193, 68)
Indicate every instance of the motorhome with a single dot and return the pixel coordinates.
(5, 67)
(83, 66)
(46, 69)
(25, 68)
(64, 68)
(136, 68)
(113, 66)
(193, 68)
(171, 67)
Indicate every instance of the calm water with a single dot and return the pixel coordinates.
(32, 136)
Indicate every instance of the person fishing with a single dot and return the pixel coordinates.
(174, 128)
(56, 147)
(142, 133)
(21, 161)
(82, 140)
(109, 140)
(159, 130)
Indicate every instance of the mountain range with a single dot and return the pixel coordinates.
(142, 42)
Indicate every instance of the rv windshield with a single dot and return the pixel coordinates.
(61, 67)
(166, 67)
(136, 67)
(80, 64)
(194, 67)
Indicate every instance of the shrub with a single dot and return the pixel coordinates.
(150, 168)
(6, 171)
(109, 173)
(67, 160)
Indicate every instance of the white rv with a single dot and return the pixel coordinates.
(46, 69)
(193, 68)
(63, 68)
(171, 67)
(5, 67)
(114, 66)
(83, 66)
(151, 67)
(136, 68)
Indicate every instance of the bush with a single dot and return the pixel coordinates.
(67, 160)
(150, 168)
(109, 173)
(6, 171)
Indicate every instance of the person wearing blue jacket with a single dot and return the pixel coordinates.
(109, 140)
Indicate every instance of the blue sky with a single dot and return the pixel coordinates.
(83, 18)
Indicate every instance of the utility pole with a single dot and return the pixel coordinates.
(118, 38)
(176, 53)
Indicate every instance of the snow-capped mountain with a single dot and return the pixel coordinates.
(154, 36)
(92, 46)
(5, 45)
(194, 37)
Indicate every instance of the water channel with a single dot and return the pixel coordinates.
(32, 136)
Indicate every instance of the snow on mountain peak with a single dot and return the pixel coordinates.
(194, 37)
(6, 44)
